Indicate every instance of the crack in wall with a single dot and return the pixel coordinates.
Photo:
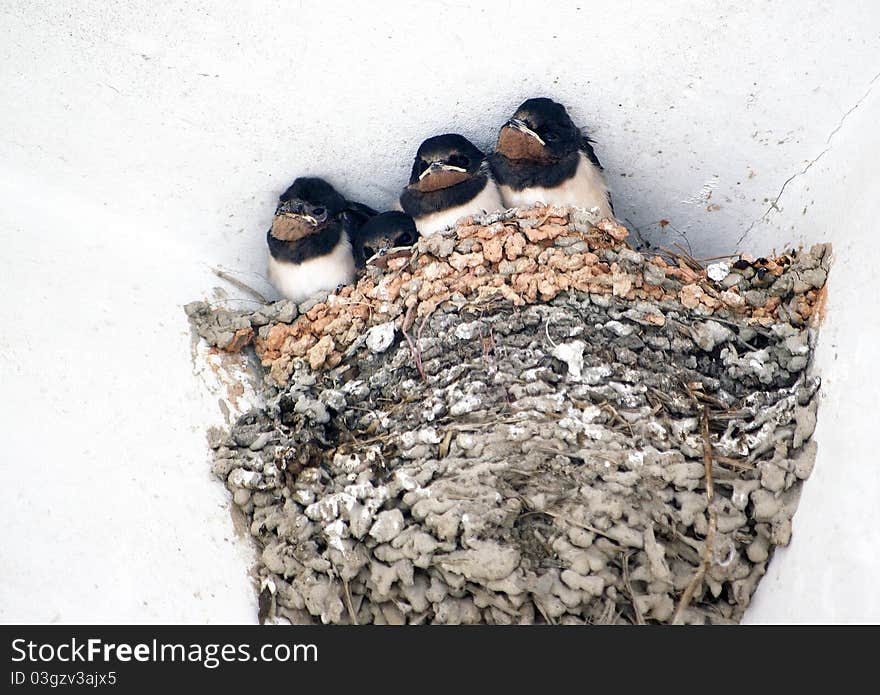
(853, 108)
(774, 204)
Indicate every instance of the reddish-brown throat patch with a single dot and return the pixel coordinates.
(291, 227)
(440, 179)
(515, 144)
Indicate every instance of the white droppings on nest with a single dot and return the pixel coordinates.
(335, 532)
(347, 463)
(718, 271)
(327, 508)
(379, 338)
(573, 355)
(387, 526)
(304, 496)
(636, 459)
(467, 404)
(245, 479)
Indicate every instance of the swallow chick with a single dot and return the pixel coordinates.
(310, 242)
(450, 179)
(542, 156)
(383, 235)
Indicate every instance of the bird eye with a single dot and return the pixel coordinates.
(404, 239)
(422, 165)
(317, 212)
(551, 137)
(369, 252)
(459, 160)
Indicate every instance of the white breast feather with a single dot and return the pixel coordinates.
(488, 200)
(299, 281)
(586, 189)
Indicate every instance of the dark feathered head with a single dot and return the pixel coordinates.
(381, 233)
(443, 161)
(309, 205)
(540, 130)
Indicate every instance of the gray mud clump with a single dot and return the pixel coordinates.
(622, 440)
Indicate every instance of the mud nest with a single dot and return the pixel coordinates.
(526, 421)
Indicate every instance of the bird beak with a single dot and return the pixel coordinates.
(439, 166)
(302, 216)
(380, 260)
(517, 124)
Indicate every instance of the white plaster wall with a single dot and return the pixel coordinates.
(831, 570)
(141, 143)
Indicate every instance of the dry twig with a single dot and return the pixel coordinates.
(710, 533)
(223, 275)
(640, 619)
(348, 604)
(416, 353)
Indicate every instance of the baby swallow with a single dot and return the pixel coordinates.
(381, 234)
(450, 179)
(310, 242)
(541, 156)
